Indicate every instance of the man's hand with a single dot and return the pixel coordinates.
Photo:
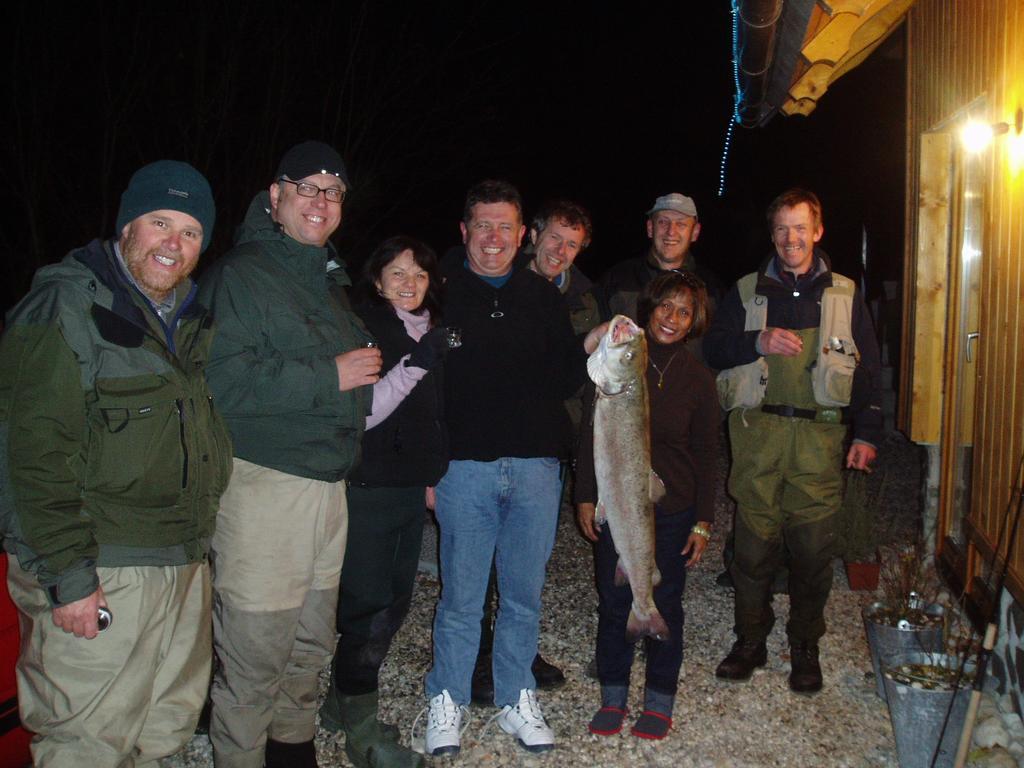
(585, 518)
(81, 616)
(358, 368)
(779, 341)
(860, 456)
(594, 338)
(430, 498)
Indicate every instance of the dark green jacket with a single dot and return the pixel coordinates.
(115, 456)
(282, 317)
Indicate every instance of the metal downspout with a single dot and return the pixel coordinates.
(758, 23)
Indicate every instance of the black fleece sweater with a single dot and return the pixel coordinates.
(505, 387)
(410, 447)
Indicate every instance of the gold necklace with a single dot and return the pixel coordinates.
(661, 373)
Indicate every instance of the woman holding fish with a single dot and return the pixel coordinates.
(655, 408)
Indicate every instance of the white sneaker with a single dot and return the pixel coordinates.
(444, 725)
(526, 722)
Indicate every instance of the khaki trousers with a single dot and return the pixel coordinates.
(129, 696)
(276, 557)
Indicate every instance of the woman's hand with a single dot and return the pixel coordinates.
(431, 349)
(695, 546)
(594, 338)
(585, 519)
(430, 498)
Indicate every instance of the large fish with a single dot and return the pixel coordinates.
(627, 488)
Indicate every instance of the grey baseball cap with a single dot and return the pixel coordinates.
(675, 202)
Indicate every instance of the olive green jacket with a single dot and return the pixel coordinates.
(112, 452)
(282, 317)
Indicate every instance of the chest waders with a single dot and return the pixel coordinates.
(786, 479)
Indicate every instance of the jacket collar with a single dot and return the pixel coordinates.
(98, 256)
(820, 267)
(308, 262)
(654, 269)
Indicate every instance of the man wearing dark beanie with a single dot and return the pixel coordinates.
(292, 374)
(115, 460)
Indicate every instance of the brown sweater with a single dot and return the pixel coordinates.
(685, 420)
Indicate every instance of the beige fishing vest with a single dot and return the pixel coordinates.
(832, 375)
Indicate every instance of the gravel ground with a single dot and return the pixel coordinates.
(760, 723)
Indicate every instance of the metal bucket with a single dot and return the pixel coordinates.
(885, 641)
(918, 715)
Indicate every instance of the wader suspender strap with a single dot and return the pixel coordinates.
(744, 385)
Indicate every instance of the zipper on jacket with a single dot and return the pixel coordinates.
(179, 404)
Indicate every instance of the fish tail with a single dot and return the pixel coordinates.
(653, 626)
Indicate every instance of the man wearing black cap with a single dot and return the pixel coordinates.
(290, 371)
(116, 460)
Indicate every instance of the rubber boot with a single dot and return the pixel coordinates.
(330, 711)
(369, 743)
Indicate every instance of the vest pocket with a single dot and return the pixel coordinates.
(833, 379)
(743, 386)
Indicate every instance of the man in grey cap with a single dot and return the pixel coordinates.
(115, 461)
(292, 373)
(672, 227)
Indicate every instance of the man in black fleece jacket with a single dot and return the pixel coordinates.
(508, 427)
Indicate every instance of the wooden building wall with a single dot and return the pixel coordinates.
(964, 54)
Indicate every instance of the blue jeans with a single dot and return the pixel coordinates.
(505, 509)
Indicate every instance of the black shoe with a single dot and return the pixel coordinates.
(281, 754)
(482, 685)
(743, 659)
(805, 676)
(547, 675)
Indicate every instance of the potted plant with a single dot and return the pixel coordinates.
(928, 696)
(859, 521)
(909, 618)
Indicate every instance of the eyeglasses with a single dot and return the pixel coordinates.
(305, 189)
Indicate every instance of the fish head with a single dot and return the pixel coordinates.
(620, 357)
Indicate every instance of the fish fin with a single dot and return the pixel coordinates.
(621, 579)
(599, 515)
(657, 487)
(596, 366)
(655, 577)
(654, 626)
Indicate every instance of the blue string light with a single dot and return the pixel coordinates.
(737, 99)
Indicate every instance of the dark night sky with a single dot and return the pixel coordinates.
(611, 107)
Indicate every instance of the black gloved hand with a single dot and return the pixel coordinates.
(431, 349)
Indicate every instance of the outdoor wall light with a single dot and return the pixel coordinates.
(976, 135)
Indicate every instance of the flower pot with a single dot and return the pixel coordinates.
(885, 641)
(863, 576)
(919, 715)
